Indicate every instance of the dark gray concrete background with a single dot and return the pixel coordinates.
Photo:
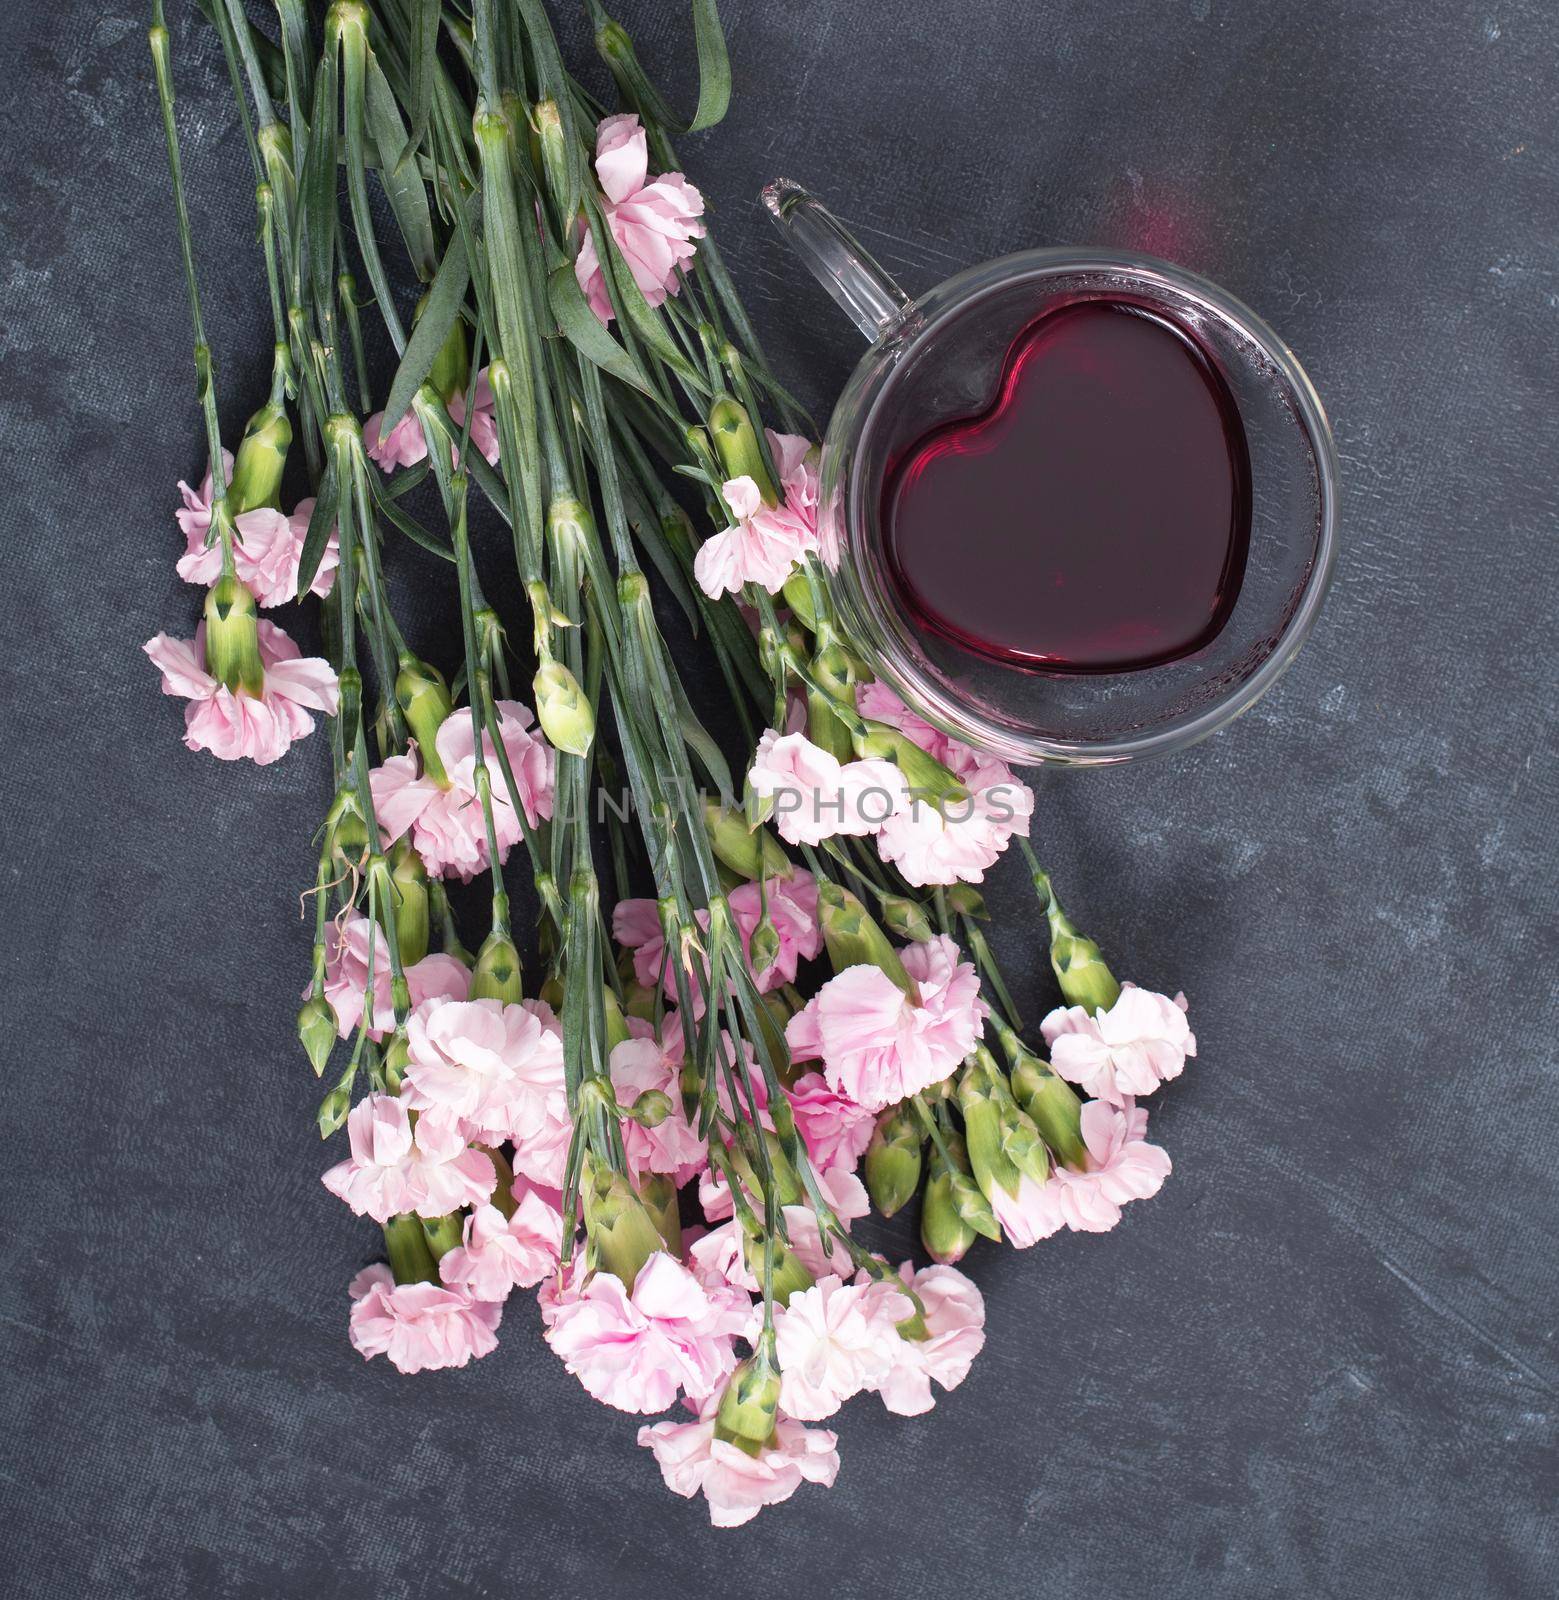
(1322, 1362)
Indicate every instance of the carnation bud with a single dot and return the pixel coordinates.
(1079, 967)
(423, 697)
(787, 1186)
(397, 1057)
(1055, 1107)
(1021, 1142)
(751, 853)
(349, 837)
(451, 369)
(658, 1191)
(547, 124)
(749, 1407)
(967, 901)
(497, 974)
(570, 526)
(233, 636)
(790, 1275)
(334, 1107)
(854, 939)
(616, 1023)
(834, 668)
(972, 1205)
(943, 1229)
(621, 1229)
(736, 443)
(261, 460)
(825, 729)
(893, 1159)
(317, 1031)
(651, 1108)
(979, 1102)
(443, 1233)
(905, 918)
(562, 709)
(926, 776)
(764, 947)
(410, 1258)
(798, 596)
(409, 880)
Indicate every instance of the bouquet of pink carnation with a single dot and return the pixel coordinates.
(669, 1132)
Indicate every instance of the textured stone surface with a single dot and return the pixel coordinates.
(1322, 1362)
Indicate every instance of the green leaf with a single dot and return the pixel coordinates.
(698, 740)
(403, 181)
(295, 51)
(354, 75)
(647, 530)
(318, 187)
(407, 524)
(714, 67)
(321, 520)
(584, 330)
(427, 338)
(424, 67)
(404, 481)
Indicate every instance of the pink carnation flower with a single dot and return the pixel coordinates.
(447, 825)
(1121, 1166)
(814, 796)
(636, 927)
(767, 541)
(878, 1045)
(762, 545)
(484, 1063)
(719, 1255)
(1140, 1042)
(954, 1312)
(833, 1340)
(1033, 1213)
(405, 444)
(878, 703)
(635, 1350)
(834, 1128)
(499, 1253)
(959, 840)
(436, 976)
(392, 1168)
(419, 1326)
(674, 1146)
(796, 462)
(653, 223)
(843, 1191)
(265, 555)
(738, 1485)
(792, 909)
(194, 516)
(236, 726)
(956, 840)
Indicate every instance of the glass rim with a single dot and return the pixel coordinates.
(875, 615)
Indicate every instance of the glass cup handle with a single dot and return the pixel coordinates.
(838, 261)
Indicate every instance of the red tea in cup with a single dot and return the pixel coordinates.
(1095, 517)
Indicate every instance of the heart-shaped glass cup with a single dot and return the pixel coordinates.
(938, 359)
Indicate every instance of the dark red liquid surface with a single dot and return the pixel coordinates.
(1095, 518)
